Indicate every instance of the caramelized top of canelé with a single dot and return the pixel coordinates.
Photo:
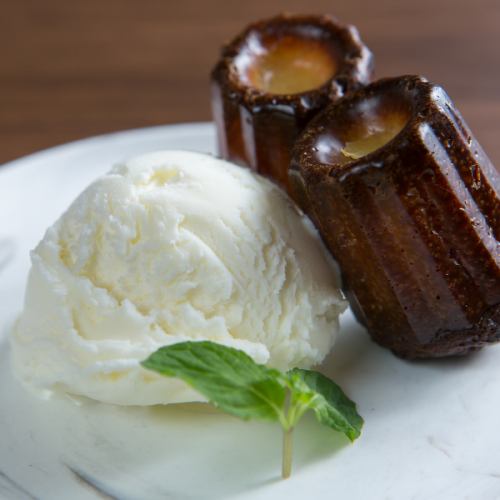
(374, 136)
(359, 128)
(300, 62)
(289, 64)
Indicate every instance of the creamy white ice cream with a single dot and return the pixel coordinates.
(168, 247)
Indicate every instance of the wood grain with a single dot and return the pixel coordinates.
(70, 69)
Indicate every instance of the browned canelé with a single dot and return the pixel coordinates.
(408, 203)
(273, 78)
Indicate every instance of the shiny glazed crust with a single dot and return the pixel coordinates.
(414, 225)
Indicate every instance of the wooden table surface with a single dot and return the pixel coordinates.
(75, 68)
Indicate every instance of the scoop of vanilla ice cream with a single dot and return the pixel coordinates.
(168, 247)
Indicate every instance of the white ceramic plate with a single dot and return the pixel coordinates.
(431, 428)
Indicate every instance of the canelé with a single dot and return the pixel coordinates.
(274, 77)
(408, 203)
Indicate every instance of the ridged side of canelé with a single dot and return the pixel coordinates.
(414, 227)
(258, 129)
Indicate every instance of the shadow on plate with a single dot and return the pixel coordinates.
(381, 382)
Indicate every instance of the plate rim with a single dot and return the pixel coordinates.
(39, 155)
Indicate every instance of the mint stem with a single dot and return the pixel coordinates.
(286, 463)
(286, 469)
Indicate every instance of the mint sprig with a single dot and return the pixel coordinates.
(234, 383)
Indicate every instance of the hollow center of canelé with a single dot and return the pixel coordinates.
(374, 136)
(355, 128)
(287, 65)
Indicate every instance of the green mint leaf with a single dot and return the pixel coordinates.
(233, 382)
(227, 377)
(329, 403)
